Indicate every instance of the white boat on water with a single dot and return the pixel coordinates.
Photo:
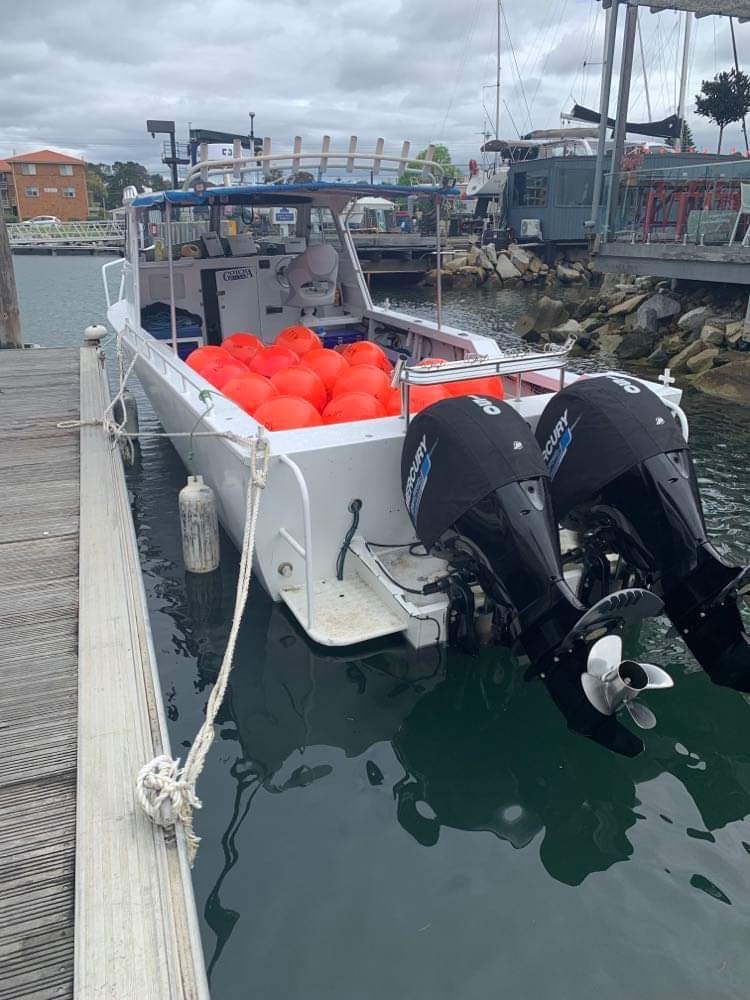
(441, 525)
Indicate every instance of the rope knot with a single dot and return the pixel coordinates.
(259, 455)
(164, 793)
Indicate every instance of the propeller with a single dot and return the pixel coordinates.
(611, 682)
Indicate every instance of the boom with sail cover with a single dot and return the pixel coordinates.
(667, 128)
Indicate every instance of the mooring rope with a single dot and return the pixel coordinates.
(166, 792)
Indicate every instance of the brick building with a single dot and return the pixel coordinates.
(49, 183)
(7, 194)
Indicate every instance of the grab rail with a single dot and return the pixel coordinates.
(478, 367)
(121, 291)
(304, 551)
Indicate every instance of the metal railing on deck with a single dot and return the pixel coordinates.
(696, 204)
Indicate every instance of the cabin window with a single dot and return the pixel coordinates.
(66, 170)
(28, 168)
(69, 192)
(530, 189)
(32, 192)
(575, 188)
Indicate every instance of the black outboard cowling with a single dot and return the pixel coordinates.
(472, 464)
(620, 467)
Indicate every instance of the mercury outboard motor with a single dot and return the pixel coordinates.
(621, 473)
(476, 485)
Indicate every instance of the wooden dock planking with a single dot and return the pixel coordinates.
(38, 669)
(94, 900)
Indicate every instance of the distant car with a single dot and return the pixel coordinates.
(43, 220)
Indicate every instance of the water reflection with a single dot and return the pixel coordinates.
(481, 750)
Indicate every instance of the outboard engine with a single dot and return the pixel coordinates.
(621, 473)
(477, 489)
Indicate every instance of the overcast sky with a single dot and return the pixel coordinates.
(83, 76)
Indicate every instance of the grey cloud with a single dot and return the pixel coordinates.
(85, 76)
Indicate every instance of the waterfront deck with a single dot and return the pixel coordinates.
(676, 260)
(94, 900)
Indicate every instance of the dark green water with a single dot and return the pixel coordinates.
(392, 825)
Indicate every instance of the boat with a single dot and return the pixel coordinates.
(544, 516)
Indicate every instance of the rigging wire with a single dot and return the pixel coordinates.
(518, 74)
(549, 53)
(473, 21)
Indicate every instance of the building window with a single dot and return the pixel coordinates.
(530, 190)
(575, 188)
(66, 170)
(28, 168)
(69, 192)
(32, 192)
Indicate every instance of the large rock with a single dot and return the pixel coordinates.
(665, 307)
(592, 322)
(559, 334)
(488, 257)
(519, 257)
(680, 360)
(635, 345)
(712, 334)
(567, 275)
(627, 306)
(730, 382)
(525, 323)
(550, 313)
(506, 269)
(703, 360)
(646, 322)
(694, 319)
(609, 343)
(734, 327)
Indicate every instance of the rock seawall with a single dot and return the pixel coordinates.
(698, 331)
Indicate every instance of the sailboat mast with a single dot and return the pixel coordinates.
(497, 78)
(683, 79)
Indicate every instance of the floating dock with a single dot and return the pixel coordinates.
(95, 901)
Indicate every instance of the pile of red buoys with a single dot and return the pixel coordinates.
(296, 382)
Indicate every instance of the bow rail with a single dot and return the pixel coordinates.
(374, 162)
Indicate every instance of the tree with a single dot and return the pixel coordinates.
(724, 99)
(127, 174)
(97, 187)
(441, 156)
(687, 141)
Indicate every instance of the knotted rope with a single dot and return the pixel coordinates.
(165, 791)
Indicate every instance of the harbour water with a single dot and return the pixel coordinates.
(385, 824)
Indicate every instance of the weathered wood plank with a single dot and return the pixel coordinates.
(38, 666)
(129, 891)
(131, 935)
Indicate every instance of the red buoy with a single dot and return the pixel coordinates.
(286, 413)
(243, 346)
(250, 391)
(303, 382)
(218, 373)
(272, 359)
(300, 339)
(364, 352)
(327, 365)
(201, 356)
(492, 386)
(420, 396)
(364, 378)
(353, 406)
